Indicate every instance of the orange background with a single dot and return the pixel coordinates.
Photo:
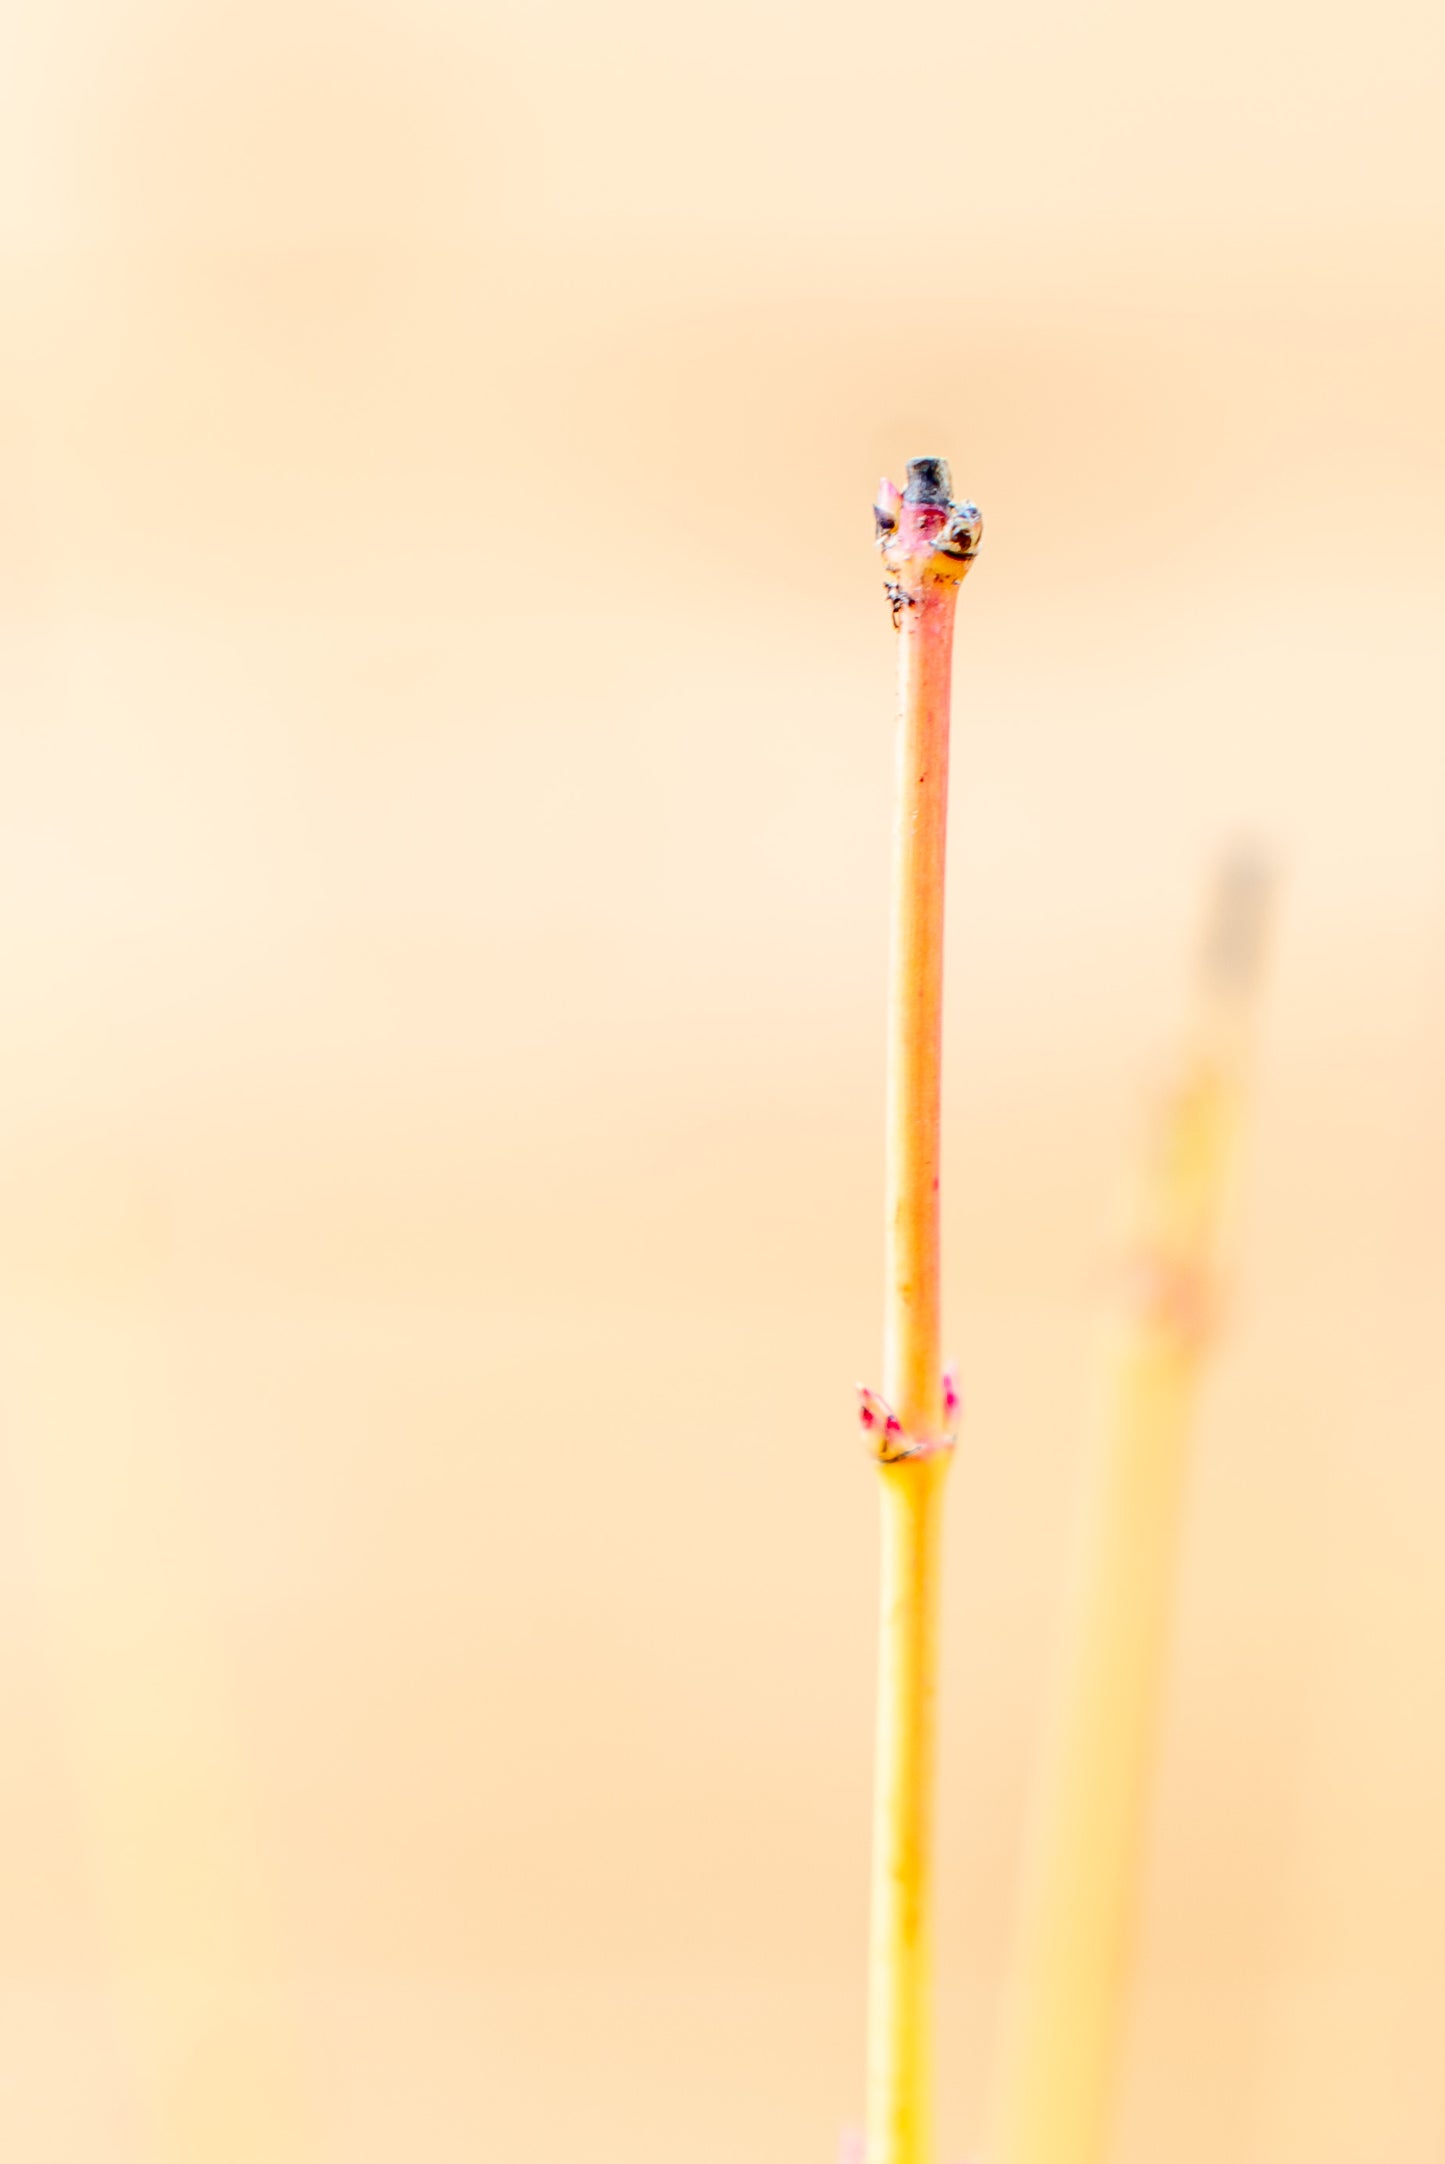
(443, 811)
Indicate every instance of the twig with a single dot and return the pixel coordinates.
(928, 543)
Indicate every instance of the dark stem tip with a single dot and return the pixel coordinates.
(929, 481)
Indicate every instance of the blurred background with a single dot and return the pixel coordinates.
(443, 813)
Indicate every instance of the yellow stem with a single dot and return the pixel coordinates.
(900, 2018)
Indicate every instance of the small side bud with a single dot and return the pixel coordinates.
(964, 531)
(874, 1416)
(886, 508)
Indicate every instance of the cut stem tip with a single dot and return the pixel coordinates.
(928, 540)
(929, 481)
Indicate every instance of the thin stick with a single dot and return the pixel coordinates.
(1065, 2015)
(928, 544)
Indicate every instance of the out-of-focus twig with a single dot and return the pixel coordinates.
(1067, 1991)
